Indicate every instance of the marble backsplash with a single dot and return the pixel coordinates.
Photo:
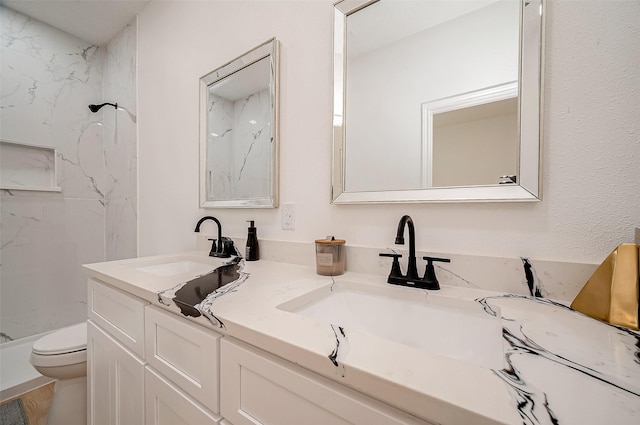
(48, 79)
(559, 281)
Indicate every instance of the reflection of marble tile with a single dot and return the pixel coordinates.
(238, 157)
(44, 242)
(220, 146)
(252, 142)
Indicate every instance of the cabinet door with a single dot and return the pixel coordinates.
(120, 314)
(115, 381)
(166, 404)
(186, 353)
(259, 388)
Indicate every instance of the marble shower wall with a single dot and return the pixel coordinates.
(48, 79)
(120, 145)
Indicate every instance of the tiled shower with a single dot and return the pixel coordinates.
(88, 214)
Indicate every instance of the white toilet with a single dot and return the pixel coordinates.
(62, 355)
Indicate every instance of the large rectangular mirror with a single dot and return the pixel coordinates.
(239, 131)
(437, 100)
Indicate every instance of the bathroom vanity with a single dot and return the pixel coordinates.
(282, 345)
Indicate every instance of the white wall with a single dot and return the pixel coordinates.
(591, 167)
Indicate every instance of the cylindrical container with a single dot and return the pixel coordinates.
(330, 256)
(252, 250)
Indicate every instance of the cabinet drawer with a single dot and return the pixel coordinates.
(259, 388)
(166, 404)
(120, 314)
(186, 353)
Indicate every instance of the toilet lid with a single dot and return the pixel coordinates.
(65, 340)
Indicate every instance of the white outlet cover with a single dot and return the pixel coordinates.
(288, 216)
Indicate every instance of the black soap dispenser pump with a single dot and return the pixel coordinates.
(252, 251)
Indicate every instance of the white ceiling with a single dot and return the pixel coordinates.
(96, 21)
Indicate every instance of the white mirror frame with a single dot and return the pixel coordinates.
(531, 66)
(268, 49)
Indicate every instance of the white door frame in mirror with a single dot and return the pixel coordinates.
(530, 89)
(225, 188)
(454, 103)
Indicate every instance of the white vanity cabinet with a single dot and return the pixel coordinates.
(185, 353)
(153, 367)
(148, 366)
(166, 404)
(259, 388)
(115, 356)
(115, 381)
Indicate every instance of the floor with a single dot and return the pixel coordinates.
(36, 403)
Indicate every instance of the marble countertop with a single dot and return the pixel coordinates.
(560, 367)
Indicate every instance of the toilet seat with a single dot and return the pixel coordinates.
(63, 341)
(66, 346)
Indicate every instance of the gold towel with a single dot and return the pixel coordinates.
(611, 294)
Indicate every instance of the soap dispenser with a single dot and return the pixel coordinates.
(252, 251)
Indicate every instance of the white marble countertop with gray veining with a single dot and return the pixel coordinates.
(557, 366)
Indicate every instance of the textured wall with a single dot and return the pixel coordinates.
(591, 172)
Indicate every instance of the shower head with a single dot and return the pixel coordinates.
(96, 108)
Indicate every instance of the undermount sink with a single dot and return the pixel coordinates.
(446, 326)
(176, 267)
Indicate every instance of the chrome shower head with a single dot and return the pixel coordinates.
(96, 108)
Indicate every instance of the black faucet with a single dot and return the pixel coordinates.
(222, 247)
(412, 270)
(429, 280)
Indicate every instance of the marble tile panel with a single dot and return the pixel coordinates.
(48, 79)
(44, 241)
(120, 135)
(121, 229)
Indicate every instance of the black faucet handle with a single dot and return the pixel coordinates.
(223, 250)
(430, 281)
(441, 260)
(395, 267)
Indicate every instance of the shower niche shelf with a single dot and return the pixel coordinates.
(28, 167)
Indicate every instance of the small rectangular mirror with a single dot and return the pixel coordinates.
(239, 131)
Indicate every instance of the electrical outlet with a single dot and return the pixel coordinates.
(288, 216)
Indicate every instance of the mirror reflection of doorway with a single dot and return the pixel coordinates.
(471, 139)
(470, 151)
